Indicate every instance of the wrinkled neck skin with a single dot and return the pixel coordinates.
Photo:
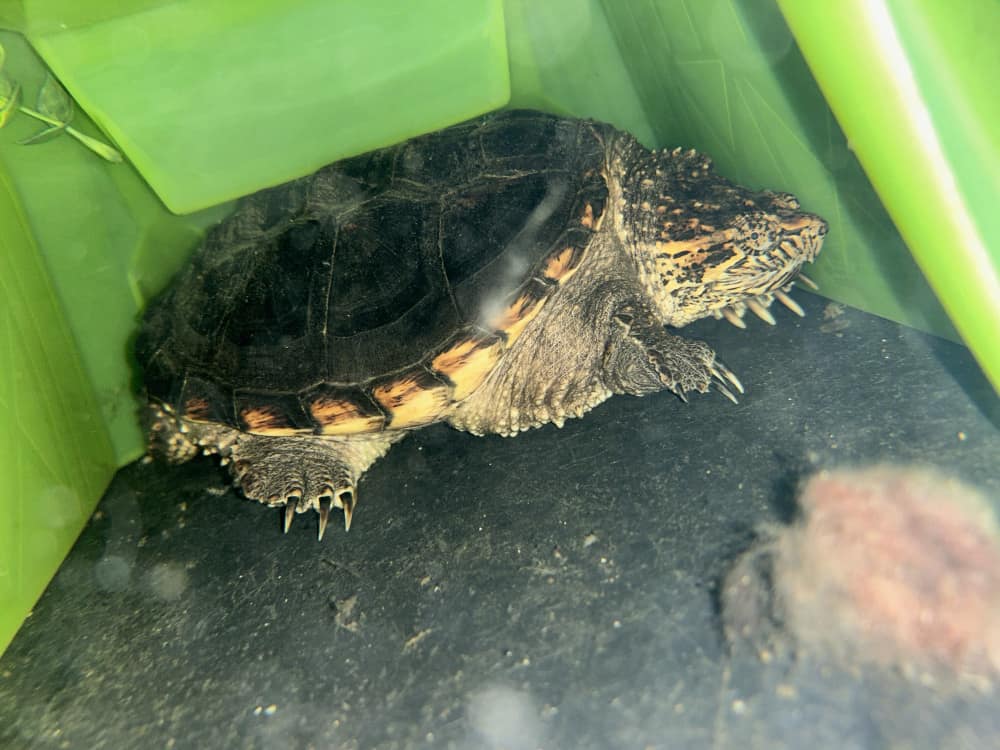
(700, 242)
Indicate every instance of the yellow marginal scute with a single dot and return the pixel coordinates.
(516, 316)
(340, 416)
(560, 266)
(413, 399)
(589, 220)
(262, 420)
(197, 409)
(468, 362)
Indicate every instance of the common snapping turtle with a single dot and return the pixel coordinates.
(497, 275)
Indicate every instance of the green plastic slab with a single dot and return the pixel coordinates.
(564, 59)
(212, 101)
(917, 97)
(73, 229)
(55, 454)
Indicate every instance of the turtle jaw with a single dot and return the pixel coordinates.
(800, 243)
(735, 275)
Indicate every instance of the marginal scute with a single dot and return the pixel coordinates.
(343, 411)
(270, 414)
(413, 398)
(266, 419)
(468, 361)
(197, 409)
(528, 302)
(598, 219)
(562, 264)
(201, 400)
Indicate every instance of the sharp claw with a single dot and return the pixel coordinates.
(724, 391)
(720, 371)
(347, 503)
(806, 281)
(789, 303)
(681, 395)
(729, 314)
(761, 312)
(289, 513)
(324, 515)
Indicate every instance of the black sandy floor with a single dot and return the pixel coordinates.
(557, 590)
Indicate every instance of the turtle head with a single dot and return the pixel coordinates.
(707, 246)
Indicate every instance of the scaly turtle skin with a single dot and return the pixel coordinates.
(503, 273)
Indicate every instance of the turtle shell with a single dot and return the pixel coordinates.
(381, 289)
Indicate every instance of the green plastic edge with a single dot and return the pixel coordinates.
(47, 16)
(235, 97)
(564, 59)
(932, 148)
(108, 224)
(72, 227)
(55, 454)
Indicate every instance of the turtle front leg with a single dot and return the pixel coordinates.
(306, 472)
(641, 357)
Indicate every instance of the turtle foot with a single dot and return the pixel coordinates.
(643, 358)
(304, 473)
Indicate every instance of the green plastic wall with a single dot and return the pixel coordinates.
(917, 98)
(209, 101)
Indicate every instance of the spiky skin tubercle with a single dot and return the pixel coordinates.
(502, 274)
